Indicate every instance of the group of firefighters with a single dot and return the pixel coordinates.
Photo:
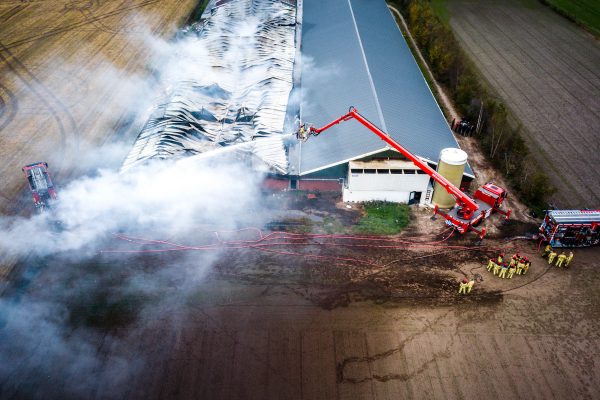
(562, 258)
(518, 265)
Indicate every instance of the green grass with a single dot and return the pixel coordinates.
(441, 10)
(583, 12)
(382, 218)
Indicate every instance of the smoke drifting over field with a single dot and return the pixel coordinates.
(168, 197)
(57, 324)
(70, 290)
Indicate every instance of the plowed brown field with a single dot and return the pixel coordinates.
(546, 70)
(265, 326)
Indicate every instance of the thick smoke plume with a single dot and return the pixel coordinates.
(57, 324)
(171, 197)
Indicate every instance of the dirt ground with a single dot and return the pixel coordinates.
(313, 317)
(65, 69)
(546, 70)
(319, 318)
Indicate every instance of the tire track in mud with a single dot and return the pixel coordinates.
(67, 127)
(85, 7)
(342, 365)
(9, 106)
(12, 12)
(78, 24)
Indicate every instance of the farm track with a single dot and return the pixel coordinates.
(545, 69)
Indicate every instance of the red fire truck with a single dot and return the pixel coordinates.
(571, 228)
(40, 184)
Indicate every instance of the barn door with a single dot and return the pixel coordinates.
(414, 198)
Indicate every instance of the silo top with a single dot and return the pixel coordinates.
(453, 156)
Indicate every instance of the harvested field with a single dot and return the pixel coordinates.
(67, 83)
(546, 70)
(263, 324)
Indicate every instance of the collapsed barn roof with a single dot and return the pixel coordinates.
(246, 49)
(249, 51)
(353, 54)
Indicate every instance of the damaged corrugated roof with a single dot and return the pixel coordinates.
(249, 49)
(358, 57)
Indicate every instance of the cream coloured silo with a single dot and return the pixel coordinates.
(451, 166)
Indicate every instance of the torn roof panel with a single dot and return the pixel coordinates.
(235, 88)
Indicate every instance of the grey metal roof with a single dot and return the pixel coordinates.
(575, 216)
(353, 54)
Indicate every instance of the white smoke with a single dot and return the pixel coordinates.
(42, 342)
(170, 197)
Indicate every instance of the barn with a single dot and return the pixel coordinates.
(308, 61)
(353, 54)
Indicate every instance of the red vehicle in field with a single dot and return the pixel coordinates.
(571, 228)
(40, 184)
(468, 212)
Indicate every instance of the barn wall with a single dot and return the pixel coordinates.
(321, 185)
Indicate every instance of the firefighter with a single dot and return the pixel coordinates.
(526, 267)
(470, 285)
(500, 258)
(463, 286)
(551, 257)
(302, 132)
(519, 266)
(503, 271)
(497, 268)
(561, 259)
(491, 264)
(569, 258)
(547, 250)
(511, 272)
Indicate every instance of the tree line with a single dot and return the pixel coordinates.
(502, 141)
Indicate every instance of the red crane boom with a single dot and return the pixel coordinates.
(465, 200)
(464, 217)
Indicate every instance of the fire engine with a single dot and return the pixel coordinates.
(468, 212)
(40, 184)
(571, 228)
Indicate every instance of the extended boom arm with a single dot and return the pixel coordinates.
(465, 201)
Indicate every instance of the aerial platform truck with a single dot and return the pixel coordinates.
(40, 184)
(571, 228)
(468, 212)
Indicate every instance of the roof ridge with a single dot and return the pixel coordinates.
(364, 56)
